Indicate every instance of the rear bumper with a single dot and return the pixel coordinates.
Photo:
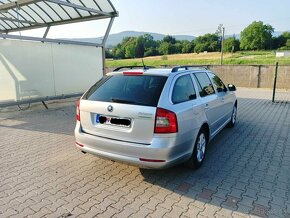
(165, 149)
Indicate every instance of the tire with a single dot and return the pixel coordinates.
(199, 150)
(233, 120)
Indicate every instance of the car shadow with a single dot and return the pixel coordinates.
(246, 169)
(241, 166)
(58, 120)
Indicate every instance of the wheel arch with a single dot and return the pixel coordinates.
(205, 127)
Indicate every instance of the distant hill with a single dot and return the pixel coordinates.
(116, 38)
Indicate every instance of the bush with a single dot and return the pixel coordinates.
(164, 58)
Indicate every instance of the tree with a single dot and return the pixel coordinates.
(150, 45)
(278, 42)
(149, 41)
(187, 46)
(129, 44)
(169, 39)
(119, 52)
(256, 36)
(108, 53)
(166, 48)
(140, 47)
(231, 44)
(288, 43)
(207, 42)
(286, 35)
(130, 50)
(219, 30)
(150, 52)
(178, 47)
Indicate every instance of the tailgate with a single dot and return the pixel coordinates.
(132, 123)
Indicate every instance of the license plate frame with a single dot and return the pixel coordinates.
(114, 121)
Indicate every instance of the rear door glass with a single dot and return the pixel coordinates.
(138, 90)
(183, 90)
(205, 86)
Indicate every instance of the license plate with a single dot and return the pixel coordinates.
(117, 121)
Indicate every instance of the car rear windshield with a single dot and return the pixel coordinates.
(137, 90)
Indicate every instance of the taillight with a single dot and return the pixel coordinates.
(165, 121)
(78, 114)
(79, 144)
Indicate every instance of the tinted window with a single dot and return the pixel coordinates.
(183, 90)
(217, 82)
(138, 90)
(205, 85)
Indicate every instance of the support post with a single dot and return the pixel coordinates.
(46, 32)
(275, 81)
(222, 45)
(259, 77)
(104, 42)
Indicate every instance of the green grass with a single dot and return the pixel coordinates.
(248, 57)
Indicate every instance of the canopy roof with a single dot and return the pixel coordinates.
(17, 15)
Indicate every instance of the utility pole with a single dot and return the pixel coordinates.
(222, 45)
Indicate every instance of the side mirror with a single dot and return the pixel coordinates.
(232, 87)
(219, 89)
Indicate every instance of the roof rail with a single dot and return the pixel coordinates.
(132, 67)
(187, 67)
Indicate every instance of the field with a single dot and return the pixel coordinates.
(252, 57)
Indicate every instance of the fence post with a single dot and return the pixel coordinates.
(275, 81)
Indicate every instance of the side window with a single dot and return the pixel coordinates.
(217, 82)
(206, 87)
(183, 90)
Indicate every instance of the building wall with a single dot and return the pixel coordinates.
(252, 76)
(35, 69)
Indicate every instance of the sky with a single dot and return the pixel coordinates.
(197, 17)
(184, 17)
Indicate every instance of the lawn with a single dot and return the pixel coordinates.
(249, 57)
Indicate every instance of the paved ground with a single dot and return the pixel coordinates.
(246, 173)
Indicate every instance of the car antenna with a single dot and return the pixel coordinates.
(144, 66)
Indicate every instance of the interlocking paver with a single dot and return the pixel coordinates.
(193, 211)
(142, 212)
(159, 212)
(260, 210)
(108, 213)
(246, 172)
(152, 203)
(126, 212)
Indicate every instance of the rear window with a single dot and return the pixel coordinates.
(137, 90)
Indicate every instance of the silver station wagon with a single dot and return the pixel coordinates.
(154, 118)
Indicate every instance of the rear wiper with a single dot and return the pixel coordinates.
(117, 100)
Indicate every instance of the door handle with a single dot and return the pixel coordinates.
(206, 106)
(223, 99)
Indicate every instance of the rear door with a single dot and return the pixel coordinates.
(122, 107)
(185, 105)
(209, 100)
(224, 96)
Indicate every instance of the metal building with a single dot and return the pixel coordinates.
(33, 71)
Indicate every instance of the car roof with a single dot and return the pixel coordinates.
(157, 71)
